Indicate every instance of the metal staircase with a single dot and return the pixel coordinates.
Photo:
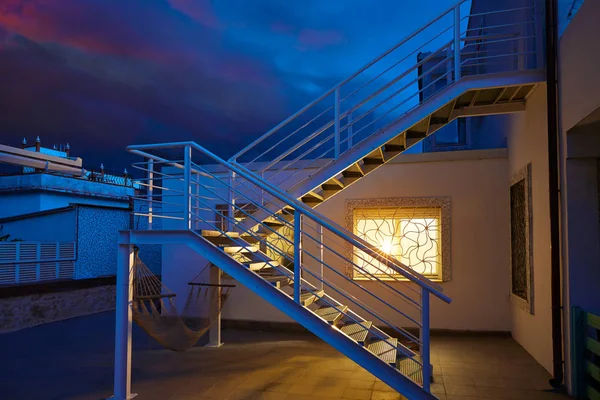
(253, 216)
(294, 261)
(460, 64)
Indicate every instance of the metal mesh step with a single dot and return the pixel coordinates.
(386, 350)
(358, 332)
(307, 298)
(410, 368)
(331, 314)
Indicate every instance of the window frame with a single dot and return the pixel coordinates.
(527, 305)
(444, 205)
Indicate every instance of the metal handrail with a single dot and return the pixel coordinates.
(339, 85)
(354, 240)
(314, 139)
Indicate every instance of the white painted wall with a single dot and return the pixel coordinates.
(476, 181)
(527, 142)
(579, 58)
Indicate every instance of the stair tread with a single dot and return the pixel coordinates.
(239, 249)
(357, 331)
(259, 265)
(386, 350)
(307, 298)
(331, 314)
(409, 367)
(210, 233)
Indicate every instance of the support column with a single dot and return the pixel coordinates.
(214, 334)
(124, 289)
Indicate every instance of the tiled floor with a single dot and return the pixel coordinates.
(73, 360)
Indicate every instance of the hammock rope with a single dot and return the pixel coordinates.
(154, 307)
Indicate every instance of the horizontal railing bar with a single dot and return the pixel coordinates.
(501, 11)
(333, 89)
(404, 296)
(353, 264)
(365, 308)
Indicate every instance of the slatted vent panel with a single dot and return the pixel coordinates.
(66, 270)
(47, 271)
(7, 274)
(8, 252)
(26, 262)
(48, 251)
(28, 251)
(67, 250)
(27, 273)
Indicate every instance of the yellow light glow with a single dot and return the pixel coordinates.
(386, 246)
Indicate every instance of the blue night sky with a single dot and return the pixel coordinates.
(103, 74)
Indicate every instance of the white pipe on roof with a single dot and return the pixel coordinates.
(13, 155)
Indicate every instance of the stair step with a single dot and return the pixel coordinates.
(312, 198)
(409, 367)
(358, 332)
(373, 161)
(307, 298)
(274, 222)
(332, 184)
(209, 233)
(352, 174)
(287, 210)
(331, 314)
(278, 281)
(239, 249)
(259, 266)
(384, 350)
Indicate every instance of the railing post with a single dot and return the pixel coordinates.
(196, 210)
(337, 123)
(187, 192)
(150, 197)
(231, 200)
(124, 289)
(322, 284)
(214, 335)
(457, 43)
(350, 129)
(424, 333)
(297, 250)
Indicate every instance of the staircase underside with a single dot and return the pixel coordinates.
(472, 96)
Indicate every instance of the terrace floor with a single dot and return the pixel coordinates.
(73, 360)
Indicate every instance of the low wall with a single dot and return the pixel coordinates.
(31, 305)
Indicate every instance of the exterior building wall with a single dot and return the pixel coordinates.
(97, 237)
(528, 144)
(579, 91)
(95, 231)
(24, 194)
(475, 181)
(56, 226)
(579, 57)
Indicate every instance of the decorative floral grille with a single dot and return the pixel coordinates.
(412, 235)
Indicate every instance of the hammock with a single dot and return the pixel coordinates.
(155, 311)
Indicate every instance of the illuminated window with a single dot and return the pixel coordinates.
(412, 235)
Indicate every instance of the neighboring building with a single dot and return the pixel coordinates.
(63, 202)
